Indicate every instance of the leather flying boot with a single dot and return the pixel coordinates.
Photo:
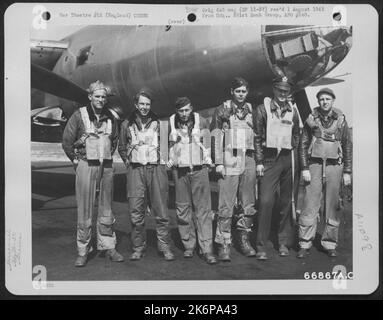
(224, 252)
(137, 255)
(168, 254)
(114, 256)
(81, 261)
(303, 253)
(188, 253)
(332, 253)
(244, 244)
(283, 251)
(210, 258)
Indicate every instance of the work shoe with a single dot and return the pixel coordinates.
(224, 252)
(245, 245)
(137, 255)
(261, 253)
(283, 251)
(114, 256)
(81, 261)
(210, 258)
(188, 253)
(168, 254)
(303, 253)
(332, 253)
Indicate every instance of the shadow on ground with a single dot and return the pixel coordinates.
(54, 245)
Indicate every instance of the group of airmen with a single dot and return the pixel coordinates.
(258, 155)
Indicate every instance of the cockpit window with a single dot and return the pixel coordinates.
(303, 54)
(83, 56)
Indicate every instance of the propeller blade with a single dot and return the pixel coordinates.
(303, 104)
(50, 82)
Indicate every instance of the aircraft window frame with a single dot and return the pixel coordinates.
(83, 56)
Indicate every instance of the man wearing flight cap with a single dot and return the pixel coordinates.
(89, 140)
(325, 152)
(276, 128)
(147, 180)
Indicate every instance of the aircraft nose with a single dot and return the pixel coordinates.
(305, 54)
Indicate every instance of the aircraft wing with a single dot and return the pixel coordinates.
(50, 91)
(46, 53)
(50, 82)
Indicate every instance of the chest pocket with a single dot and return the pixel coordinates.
(188, 149)
(240, 135)
(325, 143)
(145, 144)
(278, 130)
(98, 143)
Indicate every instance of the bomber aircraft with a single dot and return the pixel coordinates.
(170, 61)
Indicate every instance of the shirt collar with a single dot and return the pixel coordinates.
(285, 107)
(92, 117)
(332, 114)
(234, 108)
(190, 122)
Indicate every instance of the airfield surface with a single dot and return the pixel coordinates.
(54, 231)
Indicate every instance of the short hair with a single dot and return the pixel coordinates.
(181, 102)
(239, 82)
(98, 85)
(143, 93)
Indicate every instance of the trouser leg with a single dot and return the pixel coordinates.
(267, 190)
(246, 196)
(308, 218)
(185, 220)
(85, 195)
(286, 223)
(106, 237)
(200, 188)
(228, 187)
(137, 206)
(331, 231)
(158, 188)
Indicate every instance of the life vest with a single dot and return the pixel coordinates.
(278, 130)
(97, 143)
(325, 143)
(240, 135)
(186, 153)
(145, 143)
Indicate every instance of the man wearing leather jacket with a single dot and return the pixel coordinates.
(325, 152)
(89, 140)
(276, 128)
(236, 169)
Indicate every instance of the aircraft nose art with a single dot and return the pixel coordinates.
(305, 54)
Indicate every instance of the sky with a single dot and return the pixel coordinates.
(342, 90)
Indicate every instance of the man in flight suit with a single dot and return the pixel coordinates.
(89, 140)
(325, 152)
(147, 180)
(191, 161)
(236, 167)
(277, 131)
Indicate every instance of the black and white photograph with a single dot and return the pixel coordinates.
(193, 157)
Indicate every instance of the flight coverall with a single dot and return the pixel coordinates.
(332, 133)
(76, 143)
(192, 186)
(276, 136)
(239, 179)
(147, 180)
